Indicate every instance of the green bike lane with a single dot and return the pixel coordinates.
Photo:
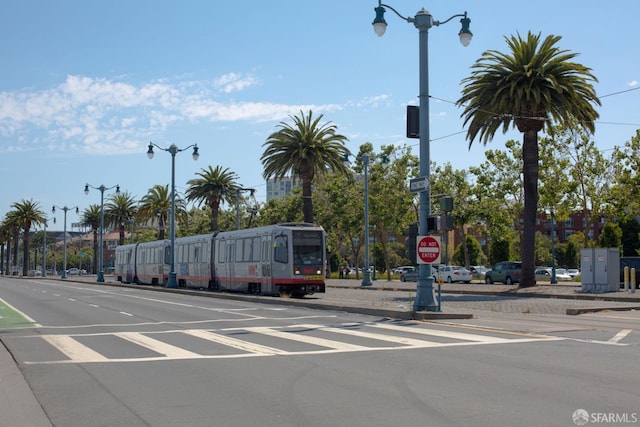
(12, 318)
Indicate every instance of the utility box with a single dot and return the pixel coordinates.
(600, 270)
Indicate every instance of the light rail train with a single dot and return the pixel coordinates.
(280, 259)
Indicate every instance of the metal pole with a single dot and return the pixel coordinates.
(64, 248)
(172, 283)
(554, 279)
(44, 251)
(366, 279)
(425, 299)
(100, 248)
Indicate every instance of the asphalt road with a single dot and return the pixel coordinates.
(108, 356)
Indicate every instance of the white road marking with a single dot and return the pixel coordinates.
(158, 346)
(233, 342)
(322, 342)
(74, 350)
(79, 353)
(620, 335)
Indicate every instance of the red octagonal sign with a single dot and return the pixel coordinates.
(428, 250)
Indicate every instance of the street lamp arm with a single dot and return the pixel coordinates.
(173, 149)
(464, 15)
(408, 19)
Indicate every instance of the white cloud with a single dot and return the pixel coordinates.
(633, 83)
(99, 115)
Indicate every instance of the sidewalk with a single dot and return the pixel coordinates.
(394, 299)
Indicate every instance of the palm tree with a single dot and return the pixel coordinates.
(156, 204)
(5, 240)
(535, 85)
(213, 187)
(305, 150)
(26, 214)
(91, 218)
(119, 209)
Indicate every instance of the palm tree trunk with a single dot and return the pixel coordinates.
(530, 180)
(96, 252)
(307, 205)
(25, 252)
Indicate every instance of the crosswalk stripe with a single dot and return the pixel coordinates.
(380, 337)
(443, 334)
(322, 342)
(153, 344)
(73, 349)
(233, 342)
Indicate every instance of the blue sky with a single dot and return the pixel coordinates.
(86, 85)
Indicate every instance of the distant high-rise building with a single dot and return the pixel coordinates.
(279, 188)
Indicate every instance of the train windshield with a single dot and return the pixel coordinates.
(307, 247)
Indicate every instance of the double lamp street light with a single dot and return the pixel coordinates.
(64, 237)
(173, 150)
(423, 21)
(366, 273)
(102, 189)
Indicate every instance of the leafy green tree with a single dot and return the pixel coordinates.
(213, 187)
(156, 206)
(499, 250)
(456, 184)
(630, 237)
(474, 253)
(26, 214)
(285, 209)
(497, 193)
(611, 236)
(118, 210)
(624, 194)
(580, 174)
(306, 149)
(536, 83)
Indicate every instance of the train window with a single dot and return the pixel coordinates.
(167, 255)
(248, 249)
(221, 250)
(256, 249)
(239, 251)
(196, 254)
(281, 252)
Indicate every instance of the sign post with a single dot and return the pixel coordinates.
(428, 250)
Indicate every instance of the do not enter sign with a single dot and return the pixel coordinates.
(428, 250)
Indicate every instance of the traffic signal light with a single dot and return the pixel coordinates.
(411, 235)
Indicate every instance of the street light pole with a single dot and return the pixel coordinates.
(43, 273)
(554, 279)
(173, 150)
(366, 274)
(423, 21)
(102, 189)
(64, 238)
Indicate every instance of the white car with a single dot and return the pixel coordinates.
(402, 269)
(545, 273)
(454, 273)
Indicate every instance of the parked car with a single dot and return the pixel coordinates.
(508, 272)
(573, 272)
(454, 273)
(563, 274)
(545, 273)
(412, 276)
(403, 268)
(478, 272)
